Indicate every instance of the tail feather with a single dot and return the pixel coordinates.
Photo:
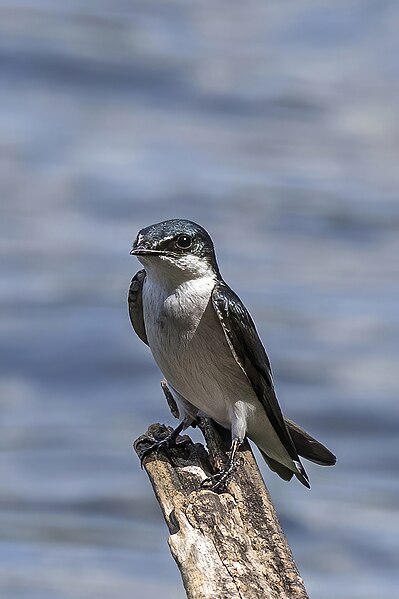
(286, 473)
(308, 447)
(283, 472)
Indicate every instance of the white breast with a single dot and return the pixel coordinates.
(189, 346)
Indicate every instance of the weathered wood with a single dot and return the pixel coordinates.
(227, 545)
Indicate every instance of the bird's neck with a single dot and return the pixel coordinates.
(171, 279)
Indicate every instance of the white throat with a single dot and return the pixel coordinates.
(171, 274)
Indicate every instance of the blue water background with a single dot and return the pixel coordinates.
(276, 126)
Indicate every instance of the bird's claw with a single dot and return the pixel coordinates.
(164, 445)
(216, 482)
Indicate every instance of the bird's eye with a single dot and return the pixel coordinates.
(184, 242)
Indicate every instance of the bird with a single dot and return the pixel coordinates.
(205, 343)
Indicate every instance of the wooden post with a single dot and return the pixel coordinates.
(226, 545)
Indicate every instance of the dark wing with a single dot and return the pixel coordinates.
(250, 354)
(135, 304)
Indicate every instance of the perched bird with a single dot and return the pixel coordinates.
(206, 345)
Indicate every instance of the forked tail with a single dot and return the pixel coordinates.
(307, 447)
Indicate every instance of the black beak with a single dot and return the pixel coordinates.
(137, 251)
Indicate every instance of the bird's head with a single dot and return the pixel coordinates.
(177, 248)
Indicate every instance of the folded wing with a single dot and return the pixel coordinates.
(249, 353)
(135, 305)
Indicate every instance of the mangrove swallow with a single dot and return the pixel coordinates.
(206, 345)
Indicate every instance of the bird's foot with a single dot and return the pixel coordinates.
(217, 482)
(169, 442)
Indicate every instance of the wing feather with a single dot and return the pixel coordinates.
(249, 353)
(135, 304)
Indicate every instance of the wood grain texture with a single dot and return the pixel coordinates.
(226, 545)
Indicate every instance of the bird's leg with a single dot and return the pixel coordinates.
(218, 481)
(167, 443)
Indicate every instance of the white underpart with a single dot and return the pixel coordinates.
(189, 346)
